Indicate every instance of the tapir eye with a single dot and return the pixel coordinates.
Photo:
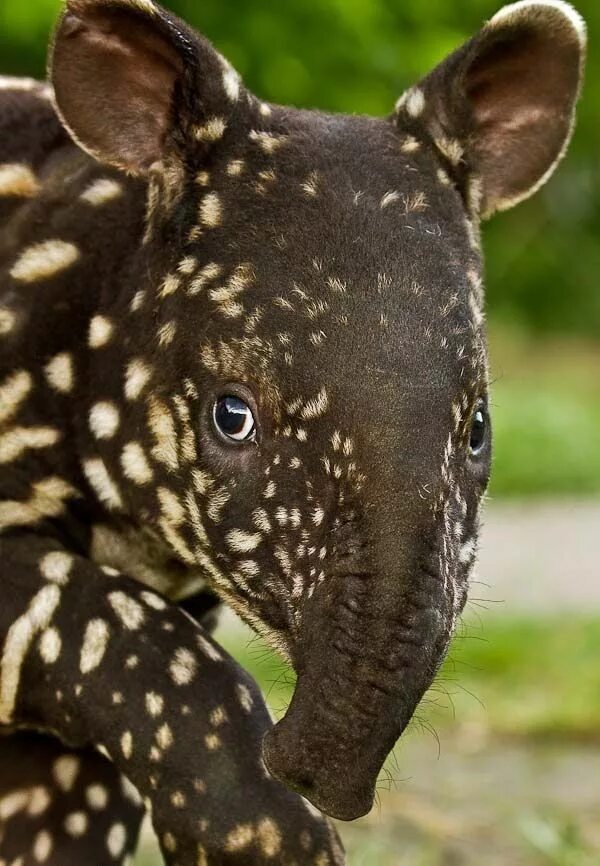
(479, 429)
(233, 419)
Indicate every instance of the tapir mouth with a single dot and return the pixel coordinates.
(337, 796)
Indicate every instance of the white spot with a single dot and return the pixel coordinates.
(137, 376)
(97, 474)
(245, 698)
(42, 846)
(101, 191)
(311, 185)
(267, 142)
(183, 667)
(270, 490)
(135, 465)
(17, 180)
(410, 144)
(169, 286)
(76, 824)
(231, 81)
(451, 148)
(104, 420)
(235, 167)
(154, 704)
(44, 260)
(212, 741)
(127, 745)
(65, 771)
(162, 425)
(210, 210)
(101, 330)
(187, 265)
(209, 272)
(164, 737)
(59, 372)
(317, 407)
(50, 645)
(56, 566)
(12, 803)
(137, 301)
(317, 516)
(8, 320)
(443, 177)
(116, 840)
(47, 499)
(13, 391)
(129, 611)
(413, 101)
(166, 333)
(243, 542)
(39, 801)
(171, 506)
(95, 641)
(97, 797)
(389, 198)
(212, 130)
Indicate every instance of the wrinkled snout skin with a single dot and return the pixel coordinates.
(348, 710)
(372, 639)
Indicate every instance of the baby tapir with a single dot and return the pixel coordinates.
(243, 360)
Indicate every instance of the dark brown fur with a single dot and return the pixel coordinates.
(324, 269)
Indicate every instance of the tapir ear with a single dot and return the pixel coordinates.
(133, 84)
(501, 109)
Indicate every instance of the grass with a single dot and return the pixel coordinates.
(534, 677)
(523, 677)
(546, 417)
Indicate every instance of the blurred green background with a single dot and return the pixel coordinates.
(515, 780)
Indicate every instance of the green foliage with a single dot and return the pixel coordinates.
(545, 403)
(534, 677)
(358, 56)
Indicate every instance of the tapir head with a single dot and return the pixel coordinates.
(305, 363)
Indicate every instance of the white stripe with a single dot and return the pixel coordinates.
(18, 640)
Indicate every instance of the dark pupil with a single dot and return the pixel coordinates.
(231, 414)
(477, 430)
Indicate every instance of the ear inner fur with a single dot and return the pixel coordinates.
(501, 108)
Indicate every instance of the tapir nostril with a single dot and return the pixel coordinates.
(304, 785)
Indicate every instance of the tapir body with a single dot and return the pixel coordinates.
(242, 359)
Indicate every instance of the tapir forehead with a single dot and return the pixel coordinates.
(347, 251)
(355, 193)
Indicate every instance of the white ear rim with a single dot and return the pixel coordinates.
(147, 6)
(515, 10)
(519, 11)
